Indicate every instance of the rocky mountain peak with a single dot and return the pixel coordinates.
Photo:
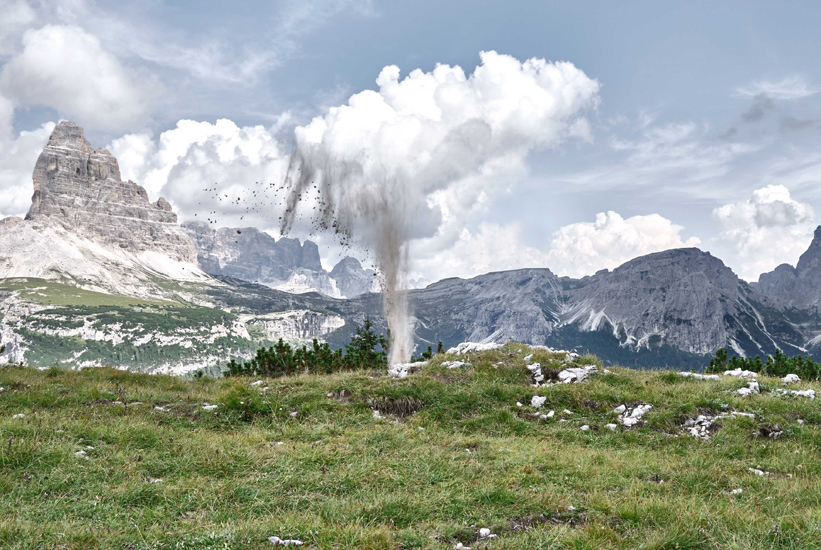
(352, 279)
(80, 188)
(811, 259)
(796, 287)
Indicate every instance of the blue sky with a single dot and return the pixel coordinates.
(705, 131)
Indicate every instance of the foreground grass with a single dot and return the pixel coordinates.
(308, 459)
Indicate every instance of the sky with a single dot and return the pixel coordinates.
(567, 135)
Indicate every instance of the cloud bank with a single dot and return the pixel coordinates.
(583, 248)
(764, 231)
(65, 68)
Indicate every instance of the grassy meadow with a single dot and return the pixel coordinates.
(109, 459)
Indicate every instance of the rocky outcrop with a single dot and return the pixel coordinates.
(294, 325)
(255, 256)
(80, 188)
(89, 228)
(250, 254)
(682, 300)
(683, 297)
(796, 287)
(522, 305)
(352, 280)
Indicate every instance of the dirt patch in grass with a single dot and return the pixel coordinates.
(399, 408)
(550, 373)
(770, 431)
(595, 405)
(342, 396)
(573, 518)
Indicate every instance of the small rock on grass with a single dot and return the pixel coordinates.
(285, 542)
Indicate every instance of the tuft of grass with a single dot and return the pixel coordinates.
(110, 459)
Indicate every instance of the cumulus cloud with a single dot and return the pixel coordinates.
(6, 117)
(791, 87)
(17, 16)
(65, 68)
(18, 155)
(492, 247)
(583, 248)
(435, 142)
(217, 171)
(764, 231)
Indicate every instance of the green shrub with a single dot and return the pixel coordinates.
(366, 350)
(776, 365)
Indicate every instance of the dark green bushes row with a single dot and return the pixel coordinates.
(366, 350)
(775, 365)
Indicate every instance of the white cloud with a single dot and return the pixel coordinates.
(67, 69)
(239, 162)
(764, 231)
(17, 16)
(141, 33)
(791, 87)
(427, 149)
(6, 117)
(583, 248)
(17, 158)
(492, 248)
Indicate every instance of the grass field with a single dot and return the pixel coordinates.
(109, 459)
(45, 292)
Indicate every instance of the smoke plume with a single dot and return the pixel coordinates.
(407, 162)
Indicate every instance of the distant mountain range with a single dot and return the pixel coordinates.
(97, 274)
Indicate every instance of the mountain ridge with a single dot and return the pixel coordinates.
(230, 290)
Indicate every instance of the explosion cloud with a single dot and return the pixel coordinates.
(395, 165)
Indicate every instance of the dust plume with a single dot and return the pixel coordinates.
(408, 164)
(376, 210)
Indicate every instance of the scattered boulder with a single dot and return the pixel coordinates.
(741, 373)
(795, 393)
(576, 374)
(752, 388)
(630, 416)
(470, 347)
(285, 542)
(537, 401)
(791, 379)
(703, 426)
(402, 370)
(536, 373)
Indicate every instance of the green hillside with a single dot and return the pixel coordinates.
(110, 459)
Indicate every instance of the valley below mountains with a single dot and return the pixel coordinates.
(96, 274)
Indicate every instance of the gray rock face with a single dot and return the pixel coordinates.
(250, 254)
(685, 299)
(522, 305)
(682, 296)
(796, 287)
(79, 187)
(255, 256)
(351, 279)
